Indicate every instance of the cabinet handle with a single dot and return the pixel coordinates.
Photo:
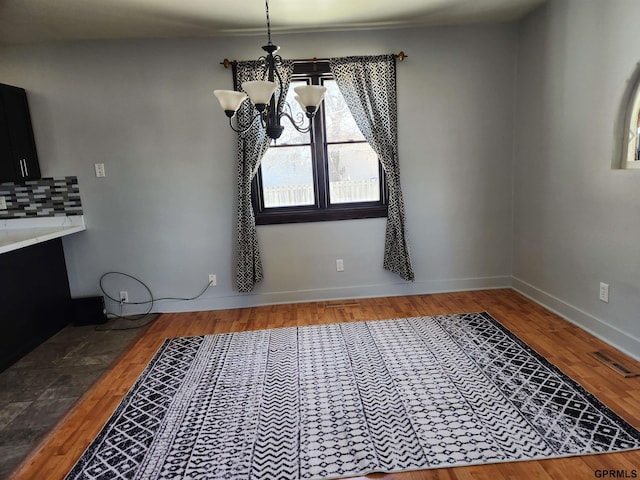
(26, 167)
(22, 168)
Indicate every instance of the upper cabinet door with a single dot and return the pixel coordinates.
(18, 155)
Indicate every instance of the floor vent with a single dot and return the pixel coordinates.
(614, 365)
(342, 304)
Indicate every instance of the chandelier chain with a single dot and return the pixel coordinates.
(266, 8)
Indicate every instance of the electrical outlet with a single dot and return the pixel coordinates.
(604, 292)
(124, 297)
(212, 279)
(100, 170)
(339, 265)
(3, 203)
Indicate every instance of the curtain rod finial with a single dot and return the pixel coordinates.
(226, 62)
(401, 56)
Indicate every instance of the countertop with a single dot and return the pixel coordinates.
(18, 233)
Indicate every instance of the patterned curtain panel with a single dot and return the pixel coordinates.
(251, 147)
(368, 85)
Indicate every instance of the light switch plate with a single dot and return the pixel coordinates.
(3, 203)
(604, 292)
(100, 170)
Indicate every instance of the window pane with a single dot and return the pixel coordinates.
(287, 177)
(340, 125)
(353, 173)
(291, 136)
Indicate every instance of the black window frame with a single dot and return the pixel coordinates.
(316, 72)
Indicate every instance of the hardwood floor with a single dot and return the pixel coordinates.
(560, 342)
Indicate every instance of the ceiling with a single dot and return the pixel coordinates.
(29, 21)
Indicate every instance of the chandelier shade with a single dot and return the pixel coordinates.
(260, 91)
(230, 100)
(310, 96)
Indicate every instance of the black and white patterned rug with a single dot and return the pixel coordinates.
(348, 399)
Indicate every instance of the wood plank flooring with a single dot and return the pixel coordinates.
(560, 342)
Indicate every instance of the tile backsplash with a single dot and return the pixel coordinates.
(46, 197)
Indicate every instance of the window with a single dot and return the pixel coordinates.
(330, 173)
(631, 153)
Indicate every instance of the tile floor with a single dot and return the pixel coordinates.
(37, 391)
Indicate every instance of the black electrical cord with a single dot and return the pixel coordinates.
(151, 300)
(128, 317)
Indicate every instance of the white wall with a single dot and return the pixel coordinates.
(577, 220)
(166, 210)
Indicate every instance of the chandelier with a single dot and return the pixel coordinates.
(262, 94)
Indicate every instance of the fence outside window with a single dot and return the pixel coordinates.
(344, 191)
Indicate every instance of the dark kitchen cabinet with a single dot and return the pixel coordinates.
(18, 156)
(34, 297)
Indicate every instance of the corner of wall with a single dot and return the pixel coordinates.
(595, 326)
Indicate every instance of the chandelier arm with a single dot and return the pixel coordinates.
(299, 127)
(299, 117)
(241, 130)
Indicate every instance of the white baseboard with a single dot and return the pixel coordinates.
(258, 298)
(595, 326)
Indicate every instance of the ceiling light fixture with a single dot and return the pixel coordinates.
(262, 94)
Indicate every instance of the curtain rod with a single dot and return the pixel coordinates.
(227, 63)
